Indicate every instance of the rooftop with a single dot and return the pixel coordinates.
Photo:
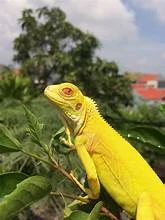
(151, 93)
(147, 77)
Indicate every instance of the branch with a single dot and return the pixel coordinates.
(104, 210)
(79, 198)
(54, 164)
(109, 214)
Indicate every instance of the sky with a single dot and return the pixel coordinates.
(131, 32)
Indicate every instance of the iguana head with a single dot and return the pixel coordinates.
(69, 102)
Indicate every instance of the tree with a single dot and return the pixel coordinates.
(50, 49)
(104, 83)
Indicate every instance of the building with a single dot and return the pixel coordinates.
(150, 88)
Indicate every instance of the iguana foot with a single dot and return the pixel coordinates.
(66, 142)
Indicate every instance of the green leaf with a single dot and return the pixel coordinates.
(33, 122)
(27, 192)
(162, 108)
(95, 213)
(8, 182)
(148, 135)
(57, 134)
(35, 127)
(8, 143)
(80, 215)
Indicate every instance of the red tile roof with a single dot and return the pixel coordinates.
(147, 77)
(150, 93)
(147, 92)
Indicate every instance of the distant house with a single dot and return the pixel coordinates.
(148, 80)
(149, 87)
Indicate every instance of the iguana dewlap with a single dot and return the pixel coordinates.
(107, 157)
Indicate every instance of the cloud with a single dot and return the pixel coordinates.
(108, 20)
(10, 11)
(157, 6)
(162, 55)
(142, 61)
(145, 57)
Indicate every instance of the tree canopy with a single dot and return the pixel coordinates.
(52, 50)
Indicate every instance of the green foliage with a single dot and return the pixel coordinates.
(35, 127)
(43, 154)
(78, 215)
(15, 87)
(50, 46)
(27, 192)
(33, 188)
(52, 50)
(50, 148)
(13, 117)
(93, 215)
(144, 127)
(145, 138)
(9, 181)
(150, 136)
(139, 115)
(8, 143)
(162, 108)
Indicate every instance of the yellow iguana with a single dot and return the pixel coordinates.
(107, 157)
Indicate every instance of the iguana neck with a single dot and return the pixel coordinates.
(75, 124)
(91, 113)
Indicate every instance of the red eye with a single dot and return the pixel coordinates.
(67, 91)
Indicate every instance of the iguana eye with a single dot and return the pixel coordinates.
(67, 91)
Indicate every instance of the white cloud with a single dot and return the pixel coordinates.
(157, 6)
(142, 61)
(137, 56)
(10, 11)
(109, 20)
(162, 55)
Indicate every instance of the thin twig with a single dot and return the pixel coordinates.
(56, 166)
(80, 198)
(36, 157)
(109, 214)
(104, 210)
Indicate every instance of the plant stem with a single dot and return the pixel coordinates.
(107, 213)
(104, 210)
(56, 166)
(79, 198)
(36, 157)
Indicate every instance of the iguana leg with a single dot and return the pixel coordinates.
(145, 207)
(68, 141)
(93, 181)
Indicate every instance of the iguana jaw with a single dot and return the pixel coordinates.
(53, 97)
(73, 119)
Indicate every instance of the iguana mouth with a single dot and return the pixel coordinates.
(52, 96)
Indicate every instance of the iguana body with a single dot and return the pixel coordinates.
(107, 157)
